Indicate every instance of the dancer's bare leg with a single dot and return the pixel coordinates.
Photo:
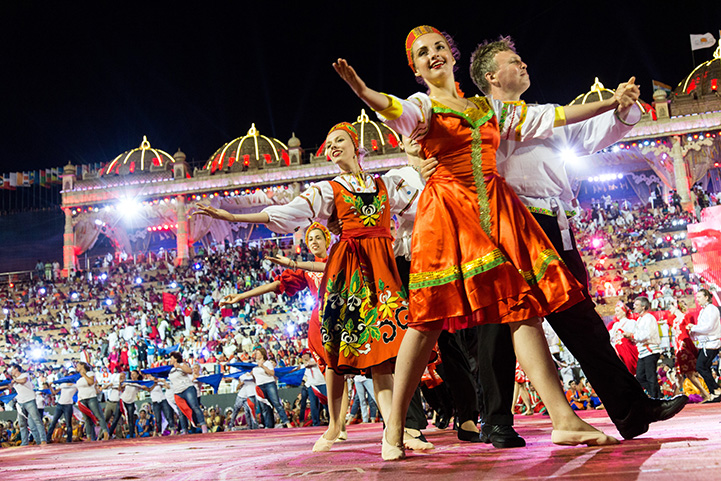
(344, 405)
(383, 388)
(334, 385)
(525, 397)
(533, 354)
(412, 359)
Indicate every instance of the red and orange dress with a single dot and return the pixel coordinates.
(363, 310)
(478, 256)
(686, 351)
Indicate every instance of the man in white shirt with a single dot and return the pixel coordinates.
(28, 415)
(707, 331)
(313, 378)
(535, 170)
(648, 342)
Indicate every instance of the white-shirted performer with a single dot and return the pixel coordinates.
(535, 169)
(707, 331)
(28, 416)
(648, 342)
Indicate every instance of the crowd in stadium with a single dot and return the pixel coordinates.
(124, 316)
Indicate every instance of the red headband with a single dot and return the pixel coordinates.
(413, 36)
(346, 127)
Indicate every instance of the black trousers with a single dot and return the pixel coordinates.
(647, 376)
(459, 374)
(585, 335)
(415, 417)
(460, 368)
(130, 409)
(703, 366)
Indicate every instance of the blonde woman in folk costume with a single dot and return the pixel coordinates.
(299, 276)
(363, 306)
(478, 254)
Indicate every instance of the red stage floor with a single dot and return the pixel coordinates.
(687, 447)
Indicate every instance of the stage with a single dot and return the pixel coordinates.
(686, 447)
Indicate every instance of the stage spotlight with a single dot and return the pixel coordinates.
(309, 302)
(569, 156)
(128, 207)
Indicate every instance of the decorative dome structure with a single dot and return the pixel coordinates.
(377, 138)
(253, 151)
(143, 159)
(703, 80)
(597, 93)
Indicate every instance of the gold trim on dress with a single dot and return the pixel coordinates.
(454, 273)
(539, 266)
(484, 211)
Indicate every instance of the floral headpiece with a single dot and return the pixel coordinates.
(347, 127)
(413, 36)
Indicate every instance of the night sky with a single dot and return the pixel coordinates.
(84, 81)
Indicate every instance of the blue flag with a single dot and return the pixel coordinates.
(212, 380)
(140, 383)
(160, 371)
(288, 376)
(71, 379)
(8, 397)
(243, 366)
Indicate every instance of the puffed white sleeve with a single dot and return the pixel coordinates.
(314, 203)
(409, 117)
(600, 131)
(402, 196)
(519, 121)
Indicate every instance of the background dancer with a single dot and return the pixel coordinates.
(186, 397)
(28, 416)
(88, 402)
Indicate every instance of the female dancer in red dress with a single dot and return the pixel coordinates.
(619, 332)
(478, 254)
(686, 351)
(299, 276)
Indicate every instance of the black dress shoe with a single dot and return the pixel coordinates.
(442, 421)
(649, 411)
(470, 436)
(663, 409)
(501, 436)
